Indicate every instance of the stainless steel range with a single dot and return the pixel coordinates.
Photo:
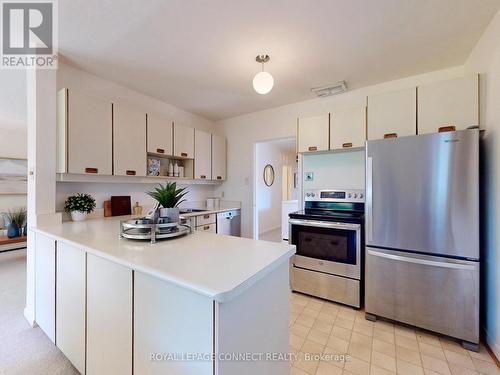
(328, 235)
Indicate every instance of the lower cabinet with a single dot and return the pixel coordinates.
(70, 304)
(45, 285)
(109, 317)
(212, 228)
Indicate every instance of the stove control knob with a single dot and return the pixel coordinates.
(349, 195)
(308, 194)
(361, 195)
(355, 195)
(313, 195)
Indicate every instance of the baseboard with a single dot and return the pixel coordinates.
(29, 317)
(491, 346)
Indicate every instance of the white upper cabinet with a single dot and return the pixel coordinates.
(454, 102)
(202, 155)
(85, 133)
(313, 133)
(129, 141)
(183, 141)
(160, 135)
(348, 128)
(218, 157)
(392, 114)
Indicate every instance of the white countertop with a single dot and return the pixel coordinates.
(210, 264)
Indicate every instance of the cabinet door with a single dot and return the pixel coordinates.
(171, 319)
(183, 141)
(202, 155)
(160, 135)
(348, 128)
(45, 285)
(70, 304)
(313, 133)
(453, 102)
(129, 141)
(219, 154)
(392, 114)
(85, 134)
(109, 317)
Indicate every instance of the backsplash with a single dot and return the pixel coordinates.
(338, 170)
(102, 192)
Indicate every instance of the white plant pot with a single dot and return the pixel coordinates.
(78, 216)
(172, 214)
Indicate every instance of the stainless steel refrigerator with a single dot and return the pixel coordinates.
(422, 232)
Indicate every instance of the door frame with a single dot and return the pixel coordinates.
(255, 177)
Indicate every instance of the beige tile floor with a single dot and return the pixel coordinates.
(331, 339)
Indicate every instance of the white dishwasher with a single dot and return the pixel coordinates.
(229, 223)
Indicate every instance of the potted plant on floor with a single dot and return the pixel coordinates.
(15, 220)
(169, 198)
(79, 206)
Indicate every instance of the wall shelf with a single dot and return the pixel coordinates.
(73, 177)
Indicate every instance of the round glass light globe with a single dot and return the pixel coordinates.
(263, 82)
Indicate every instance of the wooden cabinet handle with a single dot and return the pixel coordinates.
(447, 128)
(347, 145)
(91, 170)
(313, 148)
(206, 227)
(203, 176)
(219, 177)
(390, 135)
(130, 172)
(184, 154)
(160, 150)
(206, 216)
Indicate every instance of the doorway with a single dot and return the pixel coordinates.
(275, 186)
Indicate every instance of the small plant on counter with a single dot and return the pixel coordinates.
(79, 206)
(15, 221)
(169, 198)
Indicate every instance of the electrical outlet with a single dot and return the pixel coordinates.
(308, 176)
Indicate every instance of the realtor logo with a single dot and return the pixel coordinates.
(29, 34)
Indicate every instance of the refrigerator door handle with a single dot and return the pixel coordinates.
(446, 264)
(369, 199)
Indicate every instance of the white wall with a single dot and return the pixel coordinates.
(485, 59)
(269, 198)
(243, 131)
(73, 78)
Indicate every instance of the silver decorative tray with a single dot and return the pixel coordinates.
(147, 229)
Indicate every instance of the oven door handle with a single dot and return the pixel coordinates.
(324, 224)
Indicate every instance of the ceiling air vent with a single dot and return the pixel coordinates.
(336, 88)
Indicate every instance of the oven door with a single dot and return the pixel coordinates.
(333, 248)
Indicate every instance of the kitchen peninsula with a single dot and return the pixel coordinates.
(187, 305)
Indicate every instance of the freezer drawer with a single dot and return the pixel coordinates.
(434, 293)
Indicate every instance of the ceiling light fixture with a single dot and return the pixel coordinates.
(263, 82)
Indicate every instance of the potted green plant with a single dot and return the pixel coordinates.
(169, 198)
(15, 219)
(79, 206)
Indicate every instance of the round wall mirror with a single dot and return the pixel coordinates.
(268, 175)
